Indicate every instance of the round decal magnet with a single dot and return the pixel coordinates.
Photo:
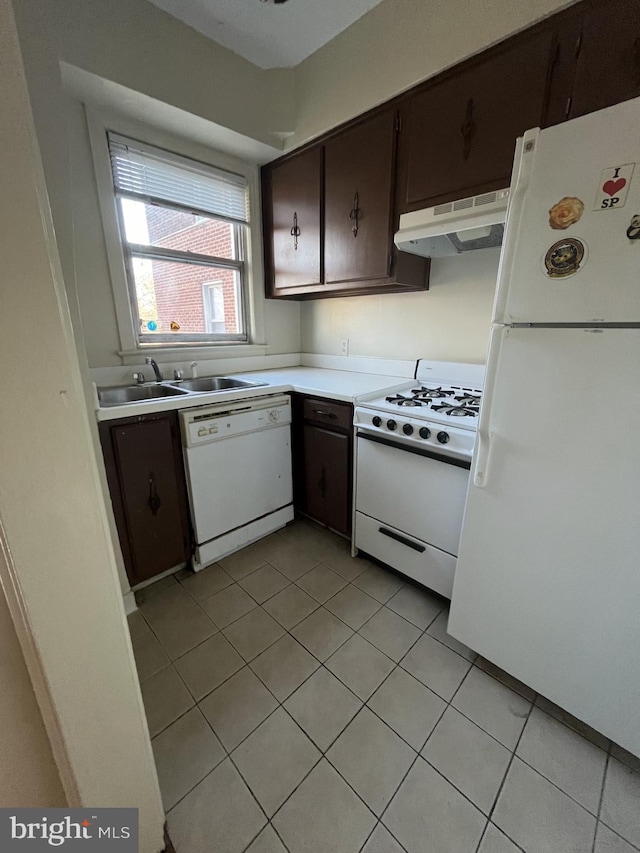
(564, 258)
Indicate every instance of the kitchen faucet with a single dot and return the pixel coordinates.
(155, 367)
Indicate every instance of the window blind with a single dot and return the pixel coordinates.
(156, 176)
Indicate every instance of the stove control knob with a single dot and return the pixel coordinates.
(443, 437)
(425, 432)
(391, 424)
(407, 429)
(376, 421)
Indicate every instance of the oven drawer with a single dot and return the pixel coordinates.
(416, 559)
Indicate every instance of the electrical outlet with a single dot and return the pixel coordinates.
(344, 346)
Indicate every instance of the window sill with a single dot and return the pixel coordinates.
(190, 351)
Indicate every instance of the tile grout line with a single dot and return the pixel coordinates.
(504, 779)
(280, 704)
(418, 753)
(601, 798)
(380, 823)
(396, 664)
(322, 664)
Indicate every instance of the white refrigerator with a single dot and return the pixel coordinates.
(547, 581)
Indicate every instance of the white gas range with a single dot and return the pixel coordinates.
(412, 460)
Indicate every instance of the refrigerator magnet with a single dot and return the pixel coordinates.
(565, 212)
(633, 231)
(564, 258)
(613, 187)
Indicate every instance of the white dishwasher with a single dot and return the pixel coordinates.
(238, 463)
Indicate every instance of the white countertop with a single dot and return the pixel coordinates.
(334, 384)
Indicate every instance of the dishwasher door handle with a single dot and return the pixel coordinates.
(401, 539)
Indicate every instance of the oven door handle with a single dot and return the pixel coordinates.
(418, 451)
(402, 539)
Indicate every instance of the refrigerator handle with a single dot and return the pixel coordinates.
(481, 457)
(522, 167)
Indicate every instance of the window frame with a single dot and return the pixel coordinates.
(132, 349)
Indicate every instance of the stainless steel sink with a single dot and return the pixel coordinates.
(119, 395)
(215, 383)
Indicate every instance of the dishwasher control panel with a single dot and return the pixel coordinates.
(213, 423)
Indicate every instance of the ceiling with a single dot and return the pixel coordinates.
(269, 35)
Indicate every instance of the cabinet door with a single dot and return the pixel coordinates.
(152, 496)
(562, 70)
(460, 133)
(293, 193)
(608, 67)
(327, 466)
(359, 173)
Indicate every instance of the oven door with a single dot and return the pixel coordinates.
(409, 504)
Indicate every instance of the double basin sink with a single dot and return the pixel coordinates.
(122, 394)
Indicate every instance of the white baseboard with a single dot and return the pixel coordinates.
(130, 605)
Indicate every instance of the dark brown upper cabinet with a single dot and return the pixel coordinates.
(292, 211)
(359, 182)
(338, 200)
(596, 59)
(459, 132)
(355, 217)
(608, 57)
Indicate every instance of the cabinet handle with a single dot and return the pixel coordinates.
(636, 59)
(295, 231)
(154, 499)
(353, 216)
(324, 414)
(466, 129)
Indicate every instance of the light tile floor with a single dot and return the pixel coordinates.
(300, 700)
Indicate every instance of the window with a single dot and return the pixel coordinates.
(213, 301)
(183, 228)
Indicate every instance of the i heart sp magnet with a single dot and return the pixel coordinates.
(613, 187)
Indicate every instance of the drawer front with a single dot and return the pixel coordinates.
(416, 559)
(328, 413)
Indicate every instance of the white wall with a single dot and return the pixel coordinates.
(281, 322)
(28, 773)
(59, 572)
(449, 322)
(136, 45)
(396, 45)
(391, 48)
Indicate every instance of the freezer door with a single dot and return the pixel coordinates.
(571, 253)
(547, 582)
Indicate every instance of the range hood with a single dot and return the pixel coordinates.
(459, 226)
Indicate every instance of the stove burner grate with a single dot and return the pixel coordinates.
(401, 400)
(456, 411)
(430, 393)
(469, 400)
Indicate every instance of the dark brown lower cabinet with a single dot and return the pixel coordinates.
(143, 459)
(323, 454)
